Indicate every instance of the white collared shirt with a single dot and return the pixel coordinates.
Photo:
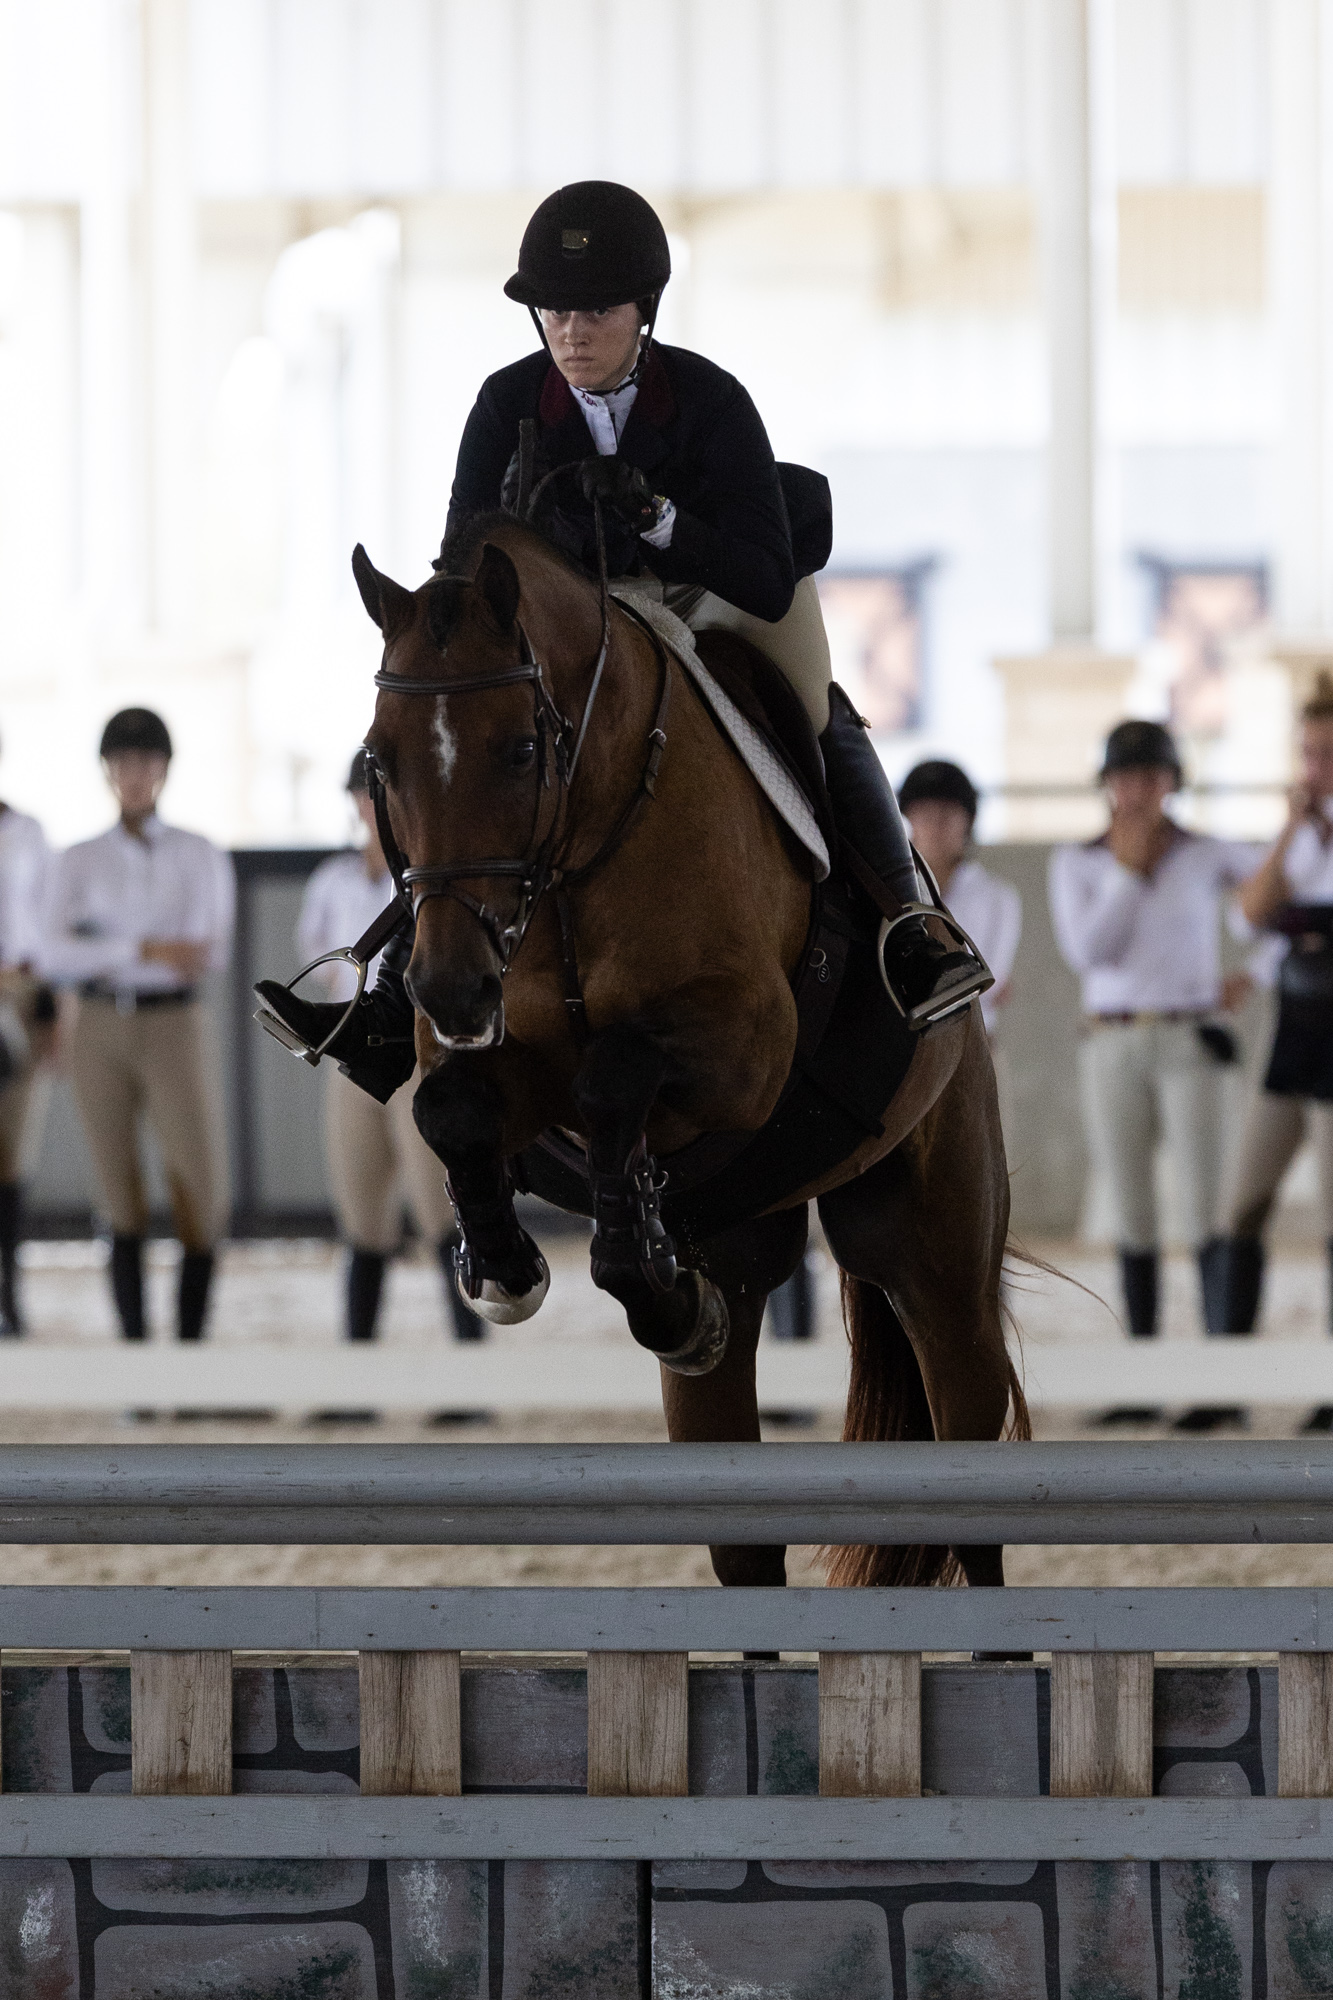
(1307, 870)
(25, 867)
(1146, 946)
(991, 912)
(340, 903)
(606, 415)
(112, 894)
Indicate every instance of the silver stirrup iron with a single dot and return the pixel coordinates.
(957, 997)
(274, 1025)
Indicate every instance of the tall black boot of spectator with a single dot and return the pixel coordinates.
(1214, 1260)
(365, 1282)
(1138, 1279)
(196, 1277)
(127, 1285)
(1321, 1419)
(791, 1307)
(1242, 1264)
(11, 1201)
(467, 1324)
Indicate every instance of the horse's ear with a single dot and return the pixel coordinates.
(498, 580)
(389, 605)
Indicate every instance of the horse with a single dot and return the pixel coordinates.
(625, 978)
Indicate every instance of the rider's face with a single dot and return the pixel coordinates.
(594, 350)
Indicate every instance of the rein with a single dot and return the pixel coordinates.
(559, 750)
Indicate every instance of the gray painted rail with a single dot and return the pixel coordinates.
(573, 1828)
(1071, 1493)
(276, 1618)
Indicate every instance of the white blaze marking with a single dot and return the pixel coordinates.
(446, 749)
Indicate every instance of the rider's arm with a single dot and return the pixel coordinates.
(732, 536)
(1094, 904)
(484, 452)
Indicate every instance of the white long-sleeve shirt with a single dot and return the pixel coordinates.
(340, 903)
(991, 912)
(606, 416)
(1146, 946)
(111, 895)
(25, 868)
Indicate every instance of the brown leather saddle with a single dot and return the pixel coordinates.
(853, 1047)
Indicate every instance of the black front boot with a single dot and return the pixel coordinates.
(127, 1285)
(365, 1283)
(11, 1202)
(196, 1279)
(377, 1048)
(926, 979)
(467, 1324)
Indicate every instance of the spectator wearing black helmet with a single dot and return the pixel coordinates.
(1136, 915)
(940, 802)
(377, 1159)
(139, 917)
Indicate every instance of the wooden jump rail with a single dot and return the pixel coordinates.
(638, 1642)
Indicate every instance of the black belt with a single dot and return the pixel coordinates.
(126, 1001)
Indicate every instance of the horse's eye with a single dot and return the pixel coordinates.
(522, 752)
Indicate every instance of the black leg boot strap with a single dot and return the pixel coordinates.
(627, 1216)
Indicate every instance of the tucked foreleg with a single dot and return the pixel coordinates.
(676, 1313)
(498, 1268)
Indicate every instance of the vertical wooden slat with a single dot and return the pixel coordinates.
(411, 1739)
(1101, 1725)
(638, 1725)
(1305, 1725)
(870, 1725)
(180, 1723)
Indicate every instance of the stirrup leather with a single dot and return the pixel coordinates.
(959, 995)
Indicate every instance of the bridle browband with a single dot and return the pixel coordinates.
(559, 748)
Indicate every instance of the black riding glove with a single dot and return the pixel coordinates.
(623, 488)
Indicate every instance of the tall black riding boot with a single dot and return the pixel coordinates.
(467, 1324)
(377, 1048)
(925, 979)
(1139, 1282)
(196, 1277)
(365, 1283)
(11, 1202)
(127, 1285)
(1321, 1419)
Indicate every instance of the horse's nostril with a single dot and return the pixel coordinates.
(459, 1007)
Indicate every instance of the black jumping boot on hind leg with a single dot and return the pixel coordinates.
(376, 1048)
(926, 980)
(11, 1200)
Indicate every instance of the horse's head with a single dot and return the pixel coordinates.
(463, 774)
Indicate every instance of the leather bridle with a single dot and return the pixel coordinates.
(559, 748)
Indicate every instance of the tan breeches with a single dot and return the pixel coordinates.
(377, 1161)
(1275, 1129)
(162, 1065)
(24, 1099)
(797, 644)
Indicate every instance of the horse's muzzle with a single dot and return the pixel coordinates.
(464, 1012)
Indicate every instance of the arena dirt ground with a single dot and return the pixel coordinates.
(291, 1291)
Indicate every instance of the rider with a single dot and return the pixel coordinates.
(694, 507)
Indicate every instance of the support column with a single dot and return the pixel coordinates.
(1067, 297)
(1299, 215)
(169, 307)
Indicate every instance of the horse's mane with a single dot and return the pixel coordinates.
(463, 542)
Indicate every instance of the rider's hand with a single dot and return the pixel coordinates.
(622, 488)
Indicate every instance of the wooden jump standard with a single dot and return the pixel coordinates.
(869, 1644)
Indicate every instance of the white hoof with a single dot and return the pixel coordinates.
(504, 1308)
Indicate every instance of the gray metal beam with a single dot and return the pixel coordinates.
(535, 1827)
(281, 1619)
(440, 1494)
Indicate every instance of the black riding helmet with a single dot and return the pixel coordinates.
(937, 779)
(1141, 746)
(592, 245)
(135, 729)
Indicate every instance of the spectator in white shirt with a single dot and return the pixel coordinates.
(376, 1157)
(27, 1031)
(1136, 915)
(137, 919)
(940, 804)
(1290, 896)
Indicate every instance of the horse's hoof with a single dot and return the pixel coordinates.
(707, 1342)
(502, 1307)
